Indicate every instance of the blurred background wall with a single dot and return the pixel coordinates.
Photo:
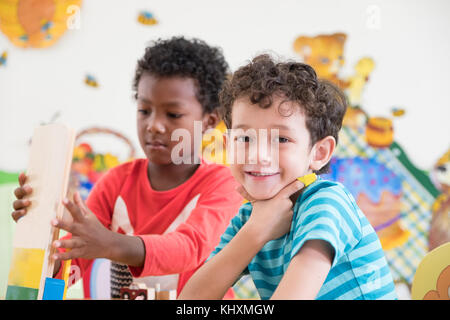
(408, 40)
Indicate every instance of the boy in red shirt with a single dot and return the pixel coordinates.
(154, 219)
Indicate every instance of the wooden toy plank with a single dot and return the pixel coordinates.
(48, 174)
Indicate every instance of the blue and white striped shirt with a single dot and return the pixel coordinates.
(326, 211)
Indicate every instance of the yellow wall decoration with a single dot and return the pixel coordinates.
(379, 132)
(432, 278)
(357, 82)
(325, 53)
(211, 143)
(146, 18)
(36, 23)
(440, 221)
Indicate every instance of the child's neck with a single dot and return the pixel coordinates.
(169, 176)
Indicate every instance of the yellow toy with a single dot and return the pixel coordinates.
(356, 83)
(325, 53)
(308, 179)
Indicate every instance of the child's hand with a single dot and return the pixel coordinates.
(271, 219)
(20, 205)
(90, 239)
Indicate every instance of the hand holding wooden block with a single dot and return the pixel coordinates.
(48, 174)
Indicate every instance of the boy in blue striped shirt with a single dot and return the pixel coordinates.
(296, 241)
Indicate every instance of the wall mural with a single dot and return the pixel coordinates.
(37, 24)
(396, 197)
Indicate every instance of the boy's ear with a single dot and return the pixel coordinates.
(210, 120)
(321, 153)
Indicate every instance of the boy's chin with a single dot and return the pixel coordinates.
(262, 194)
(159, 160)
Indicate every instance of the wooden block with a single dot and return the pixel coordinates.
(54, 289)
(48, 174)
(166, 295)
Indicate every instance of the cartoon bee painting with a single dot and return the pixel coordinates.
(3, 58)
(91, 81)
(398, 112)
(146, 18)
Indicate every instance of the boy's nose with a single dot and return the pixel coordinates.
(155, 125)
(260, 154)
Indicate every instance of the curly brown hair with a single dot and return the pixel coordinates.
(323, 104)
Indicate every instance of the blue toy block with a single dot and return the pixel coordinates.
(53, 289)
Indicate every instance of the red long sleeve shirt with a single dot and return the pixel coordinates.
(180, 227)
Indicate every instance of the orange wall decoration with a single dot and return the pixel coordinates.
(36, 23)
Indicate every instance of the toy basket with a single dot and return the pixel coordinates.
(89, 164)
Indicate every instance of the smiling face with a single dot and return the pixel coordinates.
(261, 175)
(163, 105)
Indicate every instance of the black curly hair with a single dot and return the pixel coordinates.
(179, 57)
(323, 103)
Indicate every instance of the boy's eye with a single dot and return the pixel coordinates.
(243, 139)
(174, 115)
(144, 112)
(281, 139)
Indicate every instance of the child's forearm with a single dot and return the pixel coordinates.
(216, 276)
(129, 250)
